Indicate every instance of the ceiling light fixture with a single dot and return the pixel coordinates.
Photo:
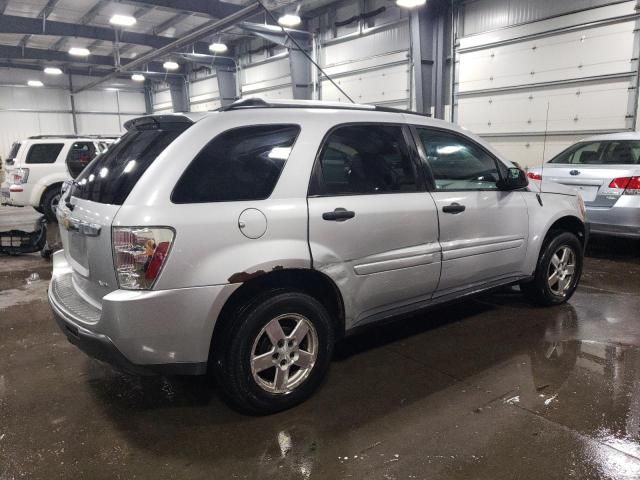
(52, 71)
(35, 83)
(122, 20)
(289, 20)
(218, 47)
(170, 66)
(410, 3)
(137, 77)
(79, 51)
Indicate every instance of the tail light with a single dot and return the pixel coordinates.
(631, 185)
(19, 176)
(139, 253)
(534, 176)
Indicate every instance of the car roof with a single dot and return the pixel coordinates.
(613, 136)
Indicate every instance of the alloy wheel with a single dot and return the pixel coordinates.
(561, 271)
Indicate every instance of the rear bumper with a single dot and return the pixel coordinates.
(141, 332)
(616, 221)
(10, 197)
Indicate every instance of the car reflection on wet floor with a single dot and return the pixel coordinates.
(484, 389)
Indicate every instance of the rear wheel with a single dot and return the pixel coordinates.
(38, 209)
(276, 354)
(49, 204)
(558, 271)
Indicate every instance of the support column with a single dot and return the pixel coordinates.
(148, 97)
(300, 67)
(226, 86)
(429, 47)
(73, 106)
(179, 95)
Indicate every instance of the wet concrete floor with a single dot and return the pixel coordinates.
(486, 389)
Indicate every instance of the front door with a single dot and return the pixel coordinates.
(372, 226)
(483, 231)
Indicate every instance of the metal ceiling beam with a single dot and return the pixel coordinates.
(188, 39)
(3, 6)
(213, 8)
(10, 52)
(90, 71)
(35, 26)
(44, 14)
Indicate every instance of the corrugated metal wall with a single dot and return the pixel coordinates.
(568, 76)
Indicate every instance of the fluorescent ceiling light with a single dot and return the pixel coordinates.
(218, 47)
(35, 83)
(137, 77)
(79, 51)
(289, 20)
(410, 3)
(122, 20)
(52, 71)
(170, 65)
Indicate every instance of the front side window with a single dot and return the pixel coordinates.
(80, 155)
(458, 164)
(364, 159)
(240, 164)
(44, 153)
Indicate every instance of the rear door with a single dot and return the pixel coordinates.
(372, 226)
(87, 213)
(591, 168)
(79, 156)
(483, 231)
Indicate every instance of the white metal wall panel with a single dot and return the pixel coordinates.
(19, 125)
(270, 79)
(96, 124)
(23, 98)
(588, 106)
(132, 102)
(528, 152)
(96, 101)
(484, 15)
(162, 102)
(576, 54)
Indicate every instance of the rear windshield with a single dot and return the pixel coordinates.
(110, 177)
(616, 152)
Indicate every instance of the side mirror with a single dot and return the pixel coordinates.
(514, 180)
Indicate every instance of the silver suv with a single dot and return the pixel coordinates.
(247, 241)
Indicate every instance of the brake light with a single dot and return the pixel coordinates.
(631, 185)
(534, 176)
(139, 253)
(19, 176)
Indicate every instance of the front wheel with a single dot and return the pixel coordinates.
(276, 354)
(50, 201)
(558, 271)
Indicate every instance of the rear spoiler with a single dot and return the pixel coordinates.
(156, 121)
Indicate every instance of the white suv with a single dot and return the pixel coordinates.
(247, 241)
(37, 167)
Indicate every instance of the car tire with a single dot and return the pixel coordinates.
(262, 370)
(556, 277)
(38, 209)
(50, 200)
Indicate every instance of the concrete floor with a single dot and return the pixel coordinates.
(486, 389)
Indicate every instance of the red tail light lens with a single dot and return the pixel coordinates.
(139, 253)
(534, 176)
(631, 185)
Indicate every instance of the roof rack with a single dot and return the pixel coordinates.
(44, 137)
(249, 103)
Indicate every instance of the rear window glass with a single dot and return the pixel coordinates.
(80, 154)
(14, 151)
(240, 164)
(110, 177)
(617, 152)
(44, 153)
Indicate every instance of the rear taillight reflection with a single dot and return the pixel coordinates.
(139, 253)
(631, 185)
(534, 176)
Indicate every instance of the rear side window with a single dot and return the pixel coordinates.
(80, 155)
(240, 164)
(44, 153)
(584, 153)
(13, 153)
(110, 177)
(364, 159)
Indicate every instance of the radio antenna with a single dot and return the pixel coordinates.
(304, 52)
(544, 145)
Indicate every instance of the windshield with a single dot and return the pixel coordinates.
(615, 152)
(110, 177)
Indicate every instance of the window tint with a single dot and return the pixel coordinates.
(80, 155)
(240, 164)
(44, 153)
(365, 159)
(584, 153)
(14, 151)
(622, 153)
(458, 164)
(110, 177)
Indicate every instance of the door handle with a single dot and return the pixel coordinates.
(454, 208)
(338, 215)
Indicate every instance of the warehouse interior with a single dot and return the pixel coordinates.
(486, 387)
